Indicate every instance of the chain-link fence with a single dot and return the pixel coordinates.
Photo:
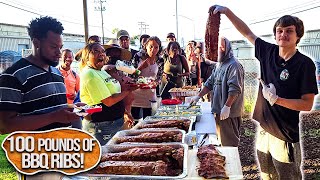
(251, 69)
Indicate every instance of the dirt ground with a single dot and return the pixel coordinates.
(310, 142)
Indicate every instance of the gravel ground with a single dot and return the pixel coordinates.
(310, 139)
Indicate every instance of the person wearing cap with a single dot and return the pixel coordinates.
(172, 38)
(124, 41)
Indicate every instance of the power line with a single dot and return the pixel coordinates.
(269, 19)
(21, 8)
(71, 22)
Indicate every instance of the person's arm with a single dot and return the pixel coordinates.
(236, 21)
(78, 55)
(115, 98)
(199, 72)
(204, 91)
(303, 104)
(111, 69)
(145, 63)
(185, 67)
(10, 121)
(231, 98)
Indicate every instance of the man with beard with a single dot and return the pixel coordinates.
(33, 95)
(226, 83)
(124, 41)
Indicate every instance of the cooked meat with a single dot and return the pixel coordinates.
(212, 36)
(211, 163)
(154, 137)
(210, 150)
(141, 154)
(181, 124)
(178, 155)
(151, 168)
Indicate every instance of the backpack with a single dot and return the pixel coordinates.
(74, 73)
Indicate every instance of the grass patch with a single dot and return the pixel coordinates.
(7, 171)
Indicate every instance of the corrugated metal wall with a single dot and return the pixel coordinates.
(311, 50)
(11, 43)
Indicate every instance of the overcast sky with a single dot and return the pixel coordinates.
(159, 15)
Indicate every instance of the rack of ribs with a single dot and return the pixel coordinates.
(140, 154)
(212, 36)
(211, 163)
(151, 168)
(181, 124)
(154, 137)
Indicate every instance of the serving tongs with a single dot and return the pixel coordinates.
(190, 105)
(203, 139)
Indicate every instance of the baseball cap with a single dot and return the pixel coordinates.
(122, 33)
(171, 35)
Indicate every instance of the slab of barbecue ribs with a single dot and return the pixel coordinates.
(181, 124)
(153, 137)
(212, 36)
(151, 168)
(212, 164)
(155, 161)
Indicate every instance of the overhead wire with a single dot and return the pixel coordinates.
(277, 16)
(67, 21)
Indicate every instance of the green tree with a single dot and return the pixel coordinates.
(115, 30)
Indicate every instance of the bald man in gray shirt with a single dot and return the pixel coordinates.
(226, 83)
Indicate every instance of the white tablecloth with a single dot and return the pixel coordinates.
(207, 122)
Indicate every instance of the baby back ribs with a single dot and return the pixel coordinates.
(154, 137)
(141, 154)
(181, 124)
(151, 168)
(212, 36)
(211, 163)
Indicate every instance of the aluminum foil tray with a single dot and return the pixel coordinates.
(157, 118)
(113, 140)
(179, 107)
(121, 148)
(179, 113)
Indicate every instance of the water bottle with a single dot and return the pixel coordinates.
(129, 69)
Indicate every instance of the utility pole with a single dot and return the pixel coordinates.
(141, 24)
(177, 23)
(143, 27)
(85, 19)
(101, 8)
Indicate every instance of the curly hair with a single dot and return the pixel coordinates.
(288, 20)
(85, 54)
(39, 27)
(157, 40)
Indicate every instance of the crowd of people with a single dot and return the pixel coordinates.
(38, 94)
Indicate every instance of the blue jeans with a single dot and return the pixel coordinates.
(103, 131)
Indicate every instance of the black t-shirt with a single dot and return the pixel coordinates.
(111, 113)
(292, 79)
